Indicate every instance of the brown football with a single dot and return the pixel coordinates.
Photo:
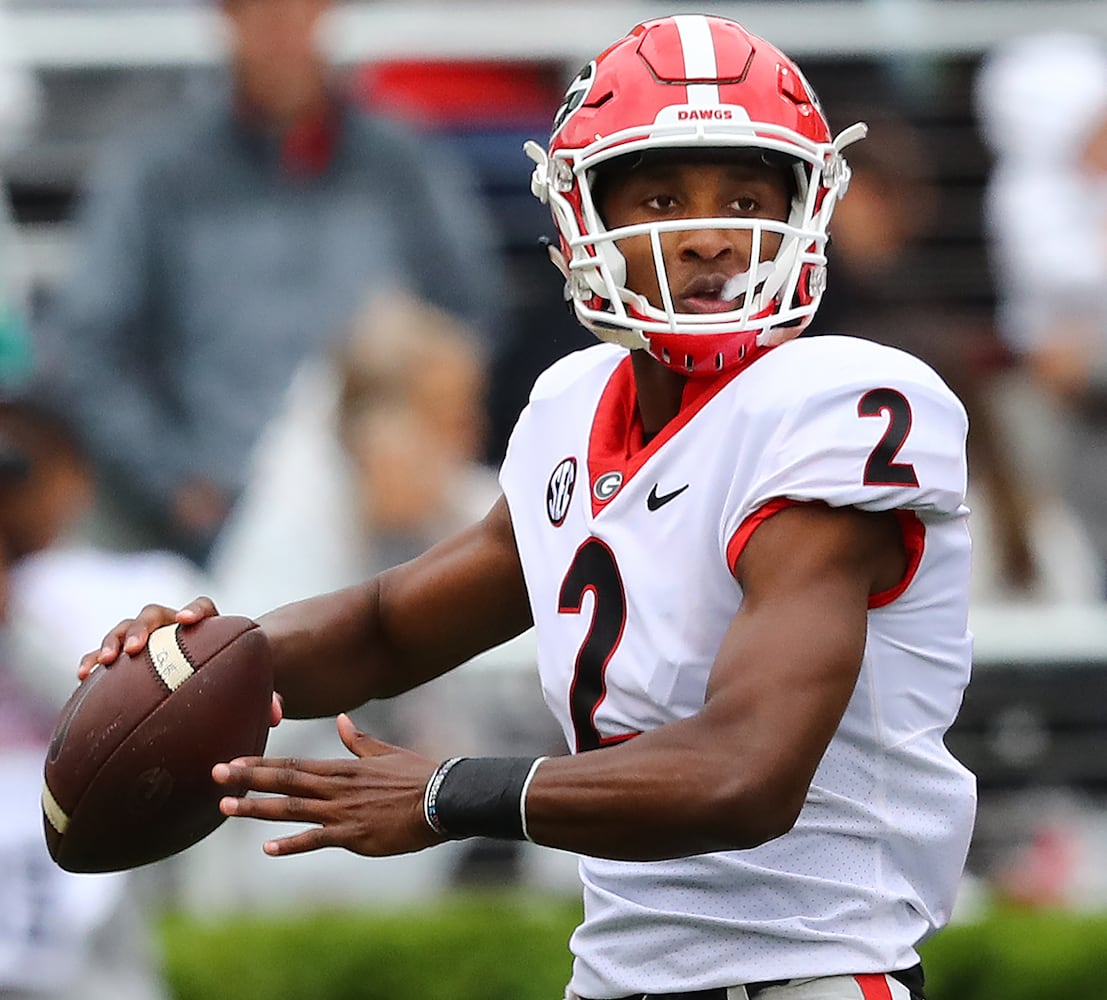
(128, 773)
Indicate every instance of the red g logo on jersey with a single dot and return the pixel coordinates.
(559, 491)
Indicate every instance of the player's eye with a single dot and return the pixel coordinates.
(746, 205)
(661, 202)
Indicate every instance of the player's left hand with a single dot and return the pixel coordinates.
(371, 804)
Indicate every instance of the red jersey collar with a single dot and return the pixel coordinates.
(617, 445)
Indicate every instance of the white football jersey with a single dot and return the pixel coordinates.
(628, 549)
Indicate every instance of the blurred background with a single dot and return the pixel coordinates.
(272, 294)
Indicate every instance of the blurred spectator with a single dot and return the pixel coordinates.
(412, 419)
(15, 355)
(490, 108)
(374, 456)
(223, 247)
(386, 435)
(1042, 103)
(20, 92)
(386, 431)
(62, 937)
(19, 103)
(883, 286)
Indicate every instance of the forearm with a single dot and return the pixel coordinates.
(332, 653)
(324, 651)
(650, 798)
(736, 774)
(692, 786)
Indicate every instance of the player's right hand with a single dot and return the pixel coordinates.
(131, 635)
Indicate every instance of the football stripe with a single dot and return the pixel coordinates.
(699, 58)
(52, 811)
(168, 658)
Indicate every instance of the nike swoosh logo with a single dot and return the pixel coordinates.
(655, 502)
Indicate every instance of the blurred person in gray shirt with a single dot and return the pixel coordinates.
(220, 248)
(1042, 101)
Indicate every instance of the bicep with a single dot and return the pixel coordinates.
(789, 661)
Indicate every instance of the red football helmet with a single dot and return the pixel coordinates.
(692, 82)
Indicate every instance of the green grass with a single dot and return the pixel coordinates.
(479, 948)
(1018, 955)
(516, 948)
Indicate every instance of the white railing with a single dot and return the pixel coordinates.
(115, 35)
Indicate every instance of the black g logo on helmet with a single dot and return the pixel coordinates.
(574, 97)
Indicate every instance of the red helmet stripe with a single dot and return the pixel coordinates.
(734, 51)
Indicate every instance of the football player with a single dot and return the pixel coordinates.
(744, 553)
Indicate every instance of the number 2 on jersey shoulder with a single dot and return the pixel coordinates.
(882, 469)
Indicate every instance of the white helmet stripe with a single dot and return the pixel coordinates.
(699, 58)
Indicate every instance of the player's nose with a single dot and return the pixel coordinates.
(713, 245)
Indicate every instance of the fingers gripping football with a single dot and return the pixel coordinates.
(371, 804)
(131, 634)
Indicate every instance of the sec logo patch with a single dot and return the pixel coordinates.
(559, 491)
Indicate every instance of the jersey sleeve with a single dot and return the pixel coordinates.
(897, 443)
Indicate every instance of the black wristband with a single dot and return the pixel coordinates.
(484, 797)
